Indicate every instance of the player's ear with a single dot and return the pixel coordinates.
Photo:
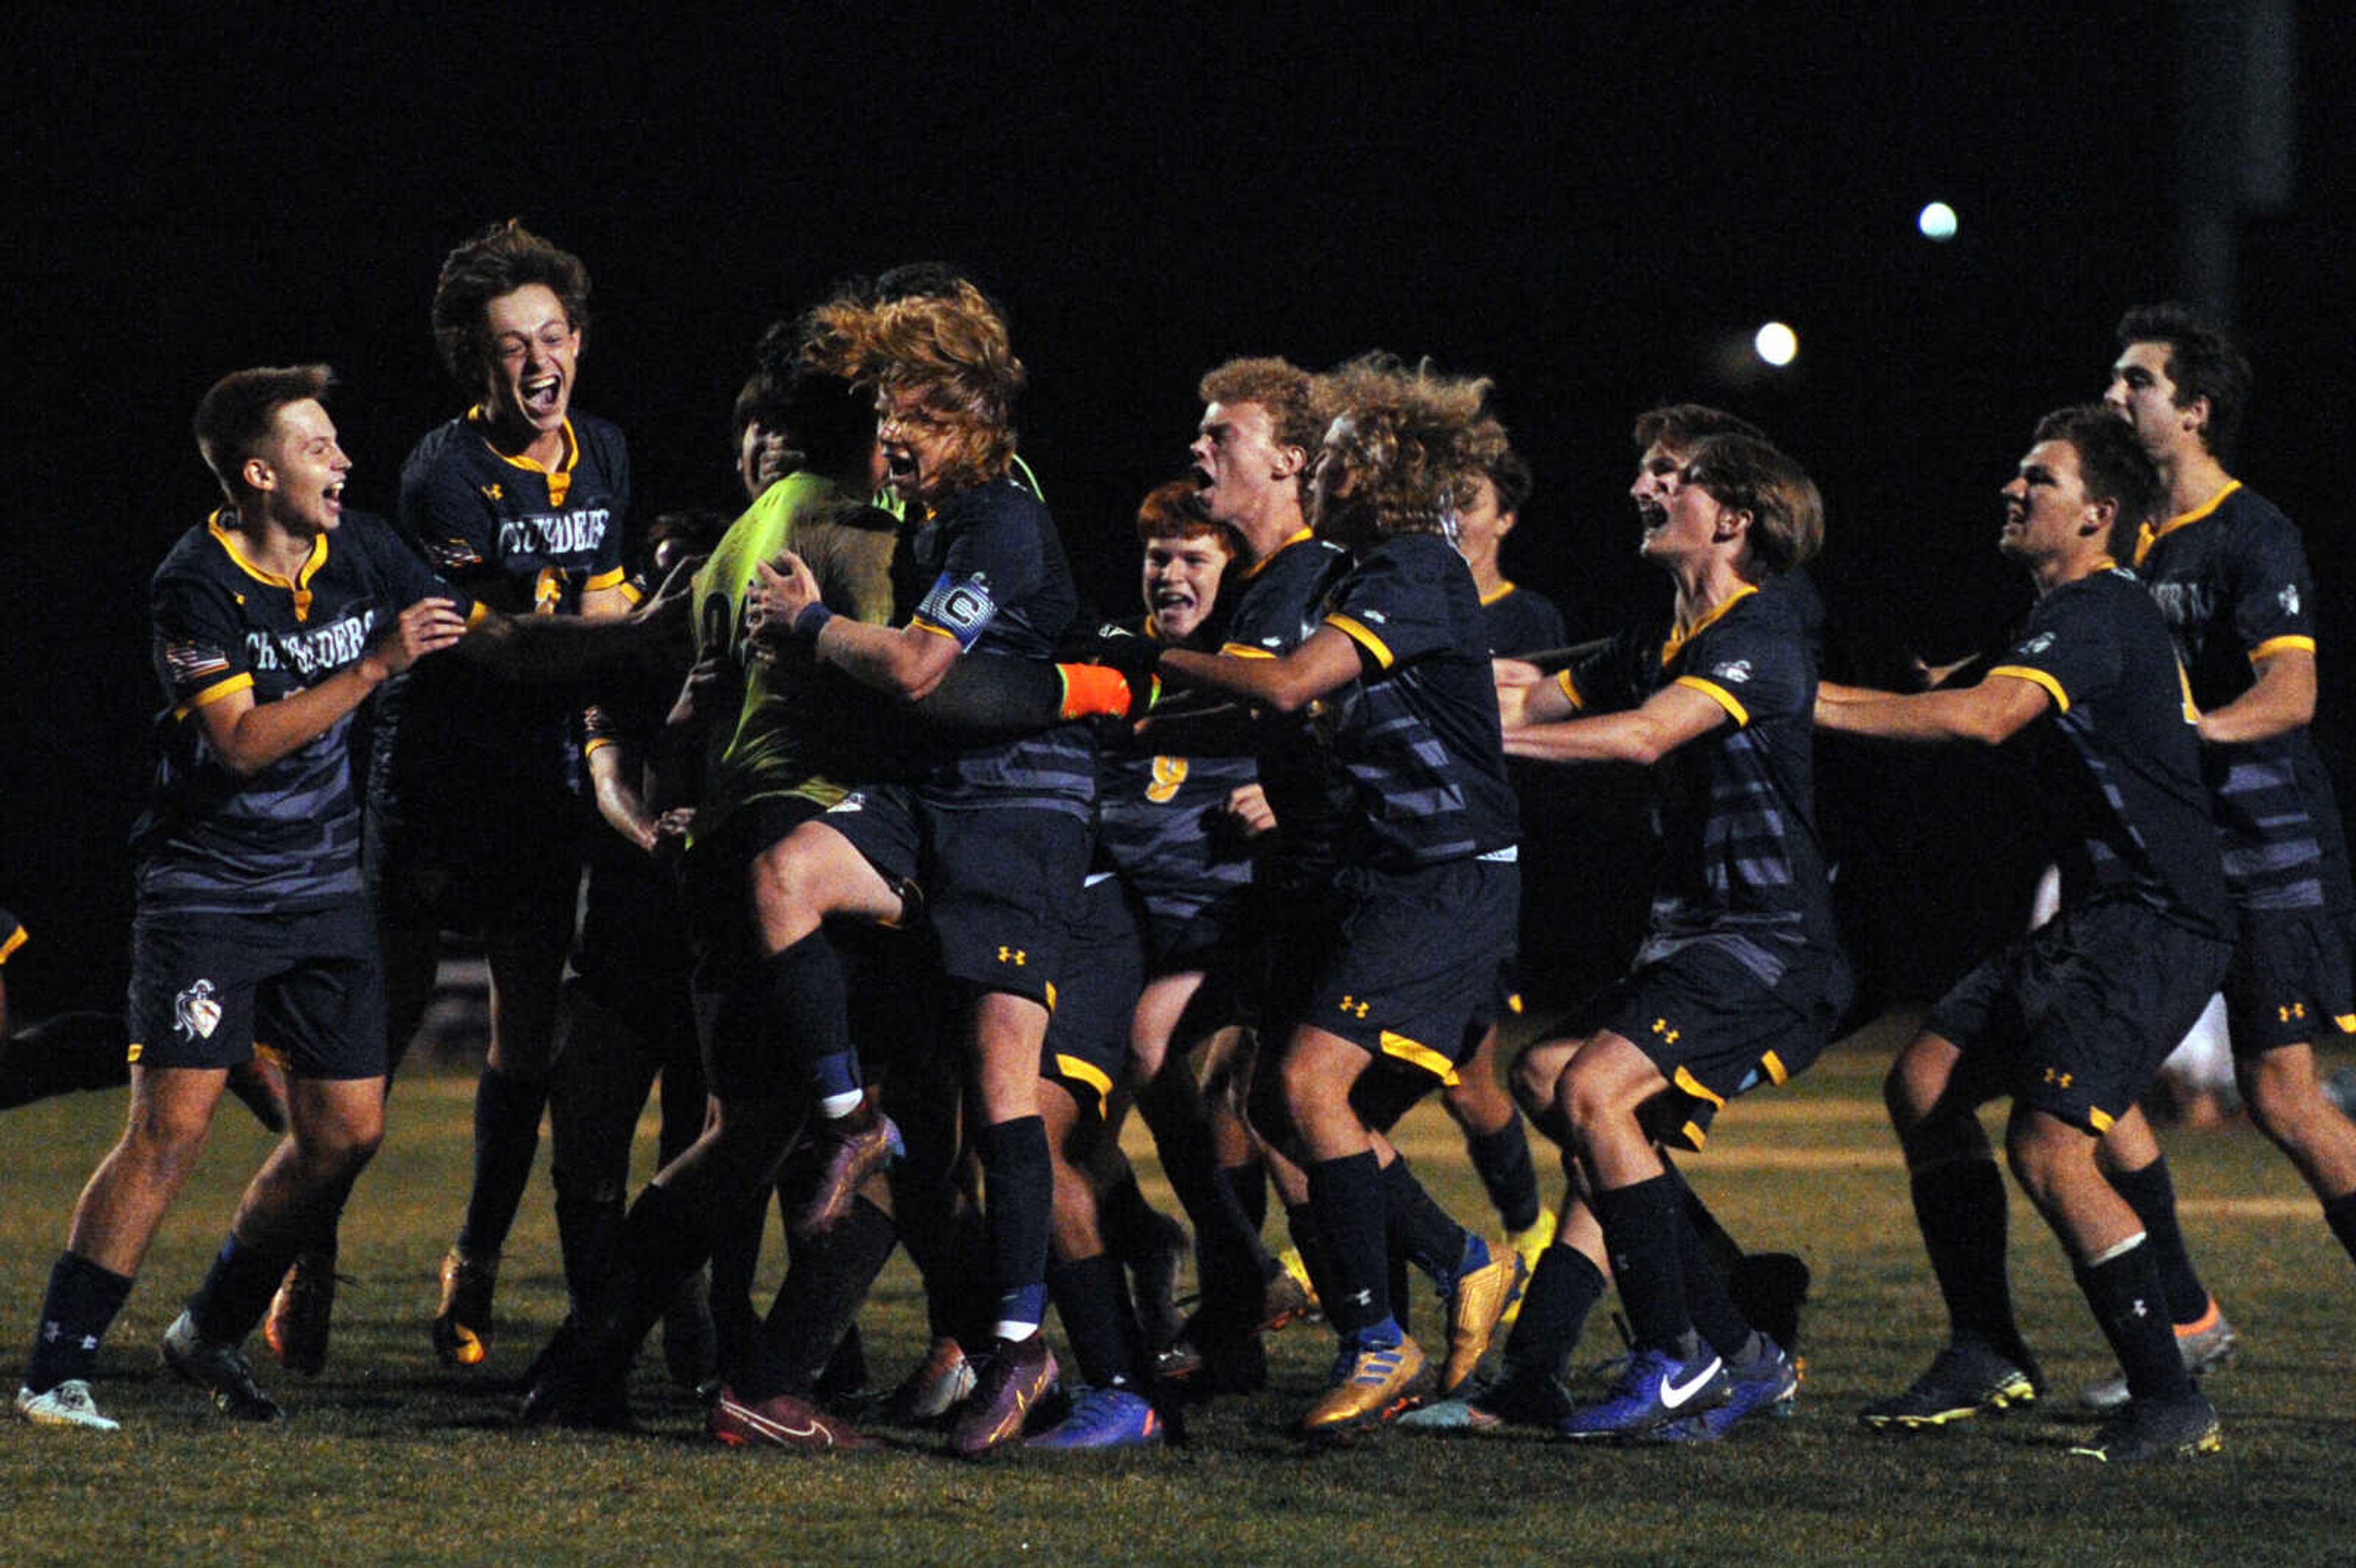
(2101, 515)
(2195, 415)
(257, 475)
(1505, 521)
(1732, 525)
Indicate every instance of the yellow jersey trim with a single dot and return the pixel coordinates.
(2099, 1119)
(1504, 588)
(1261, 564)
(1419, 1054)
(618, 576)
(134, 1052)
(560, 478)
(213, 694)
(1571, 690)
(273, 1056)
(2148, 536)
(923, 626)
(2347, 1022)
(596, 742)
(2282, 644)
(1359, 632)
(1680, 635)
(1777, 1073)
(1079, 1072)
(299, 585)
(1717, 694)
(1244, 651)
(15, 940)
(2037, 677)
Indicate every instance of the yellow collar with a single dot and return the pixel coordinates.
(2148, 536)
(219, 525)
(1680, 635)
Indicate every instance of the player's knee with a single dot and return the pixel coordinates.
(1533, 1075)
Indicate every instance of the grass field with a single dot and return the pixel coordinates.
(388, 1458)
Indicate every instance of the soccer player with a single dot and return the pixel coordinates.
(2231, 577)
(996, 835)
(1252, 453)
(1739, 977)
(1518, 623)
(1173, 868)
(273, 621)
(1401, 950)
(2072, 1021)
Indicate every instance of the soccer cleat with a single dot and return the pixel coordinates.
(2147, 1429)
(853, 1148)
(781, 1420)
(1477, 1305)
(1291, 1296)
(2206, 1344)
(1653, 1388)
(1370, 1386)
(941, 1382)
(1018, 1376)
(1517, 1396)
(1766, 1381)
(1105, 1418)
(302, 1314)
(68, 1404)
(1529, 1244)
(462, 1326)
(219, 1369)
(1965, 1379)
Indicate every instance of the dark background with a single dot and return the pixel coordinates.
(1595, 206)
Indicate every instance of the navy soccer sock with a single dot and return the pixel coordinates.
(81, 1304)
(1502, 1159)
(1563, 1289)
(1348, 1197)
(2151, 1193)
(1959, 1206)
(1092, 1298)
(237, 1289)
(2340, 1215)
(1019, 1187)
(506, 1139)
(2125, 1291)
(1643, 1235)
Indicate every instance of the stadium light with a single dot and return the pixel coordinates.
(1937, 222)
(1776, 343)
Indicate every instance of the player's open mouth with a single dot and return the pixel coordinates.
(1171, 599)
(1203, 480)
(542, 395)
(899, 463)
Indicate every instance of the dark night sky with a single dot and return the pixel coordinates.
(1589, 204)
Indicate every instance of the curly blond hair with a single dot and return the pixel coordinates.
(951, 349)
(1417, 442)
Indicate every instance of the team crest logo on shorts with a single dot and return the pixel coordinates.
(196, 1013)
(1737, 671)
(2288, 599)
(2036, 644)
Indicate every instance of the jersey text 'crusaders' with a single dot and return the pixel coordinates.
(287, 839)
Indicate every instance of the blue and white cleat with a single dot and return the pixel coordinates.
(1655, 1389)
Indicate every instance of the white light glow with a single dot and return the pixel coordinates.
(1937, 222)
(1776, 343)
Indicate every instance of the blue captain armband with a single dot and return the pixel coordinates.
(961, 606)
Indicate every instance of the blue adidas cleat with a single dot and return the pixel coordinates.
(1105, 1418)
(1656, 1388)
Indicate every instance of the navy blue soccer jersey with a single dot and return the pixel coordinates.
(2231, 578)
(1518, 622)
(287, 839)
(1742, 865)
(999, 583)
(1416, 735)
(2126, 771)
(1281, 601)
(452, 737)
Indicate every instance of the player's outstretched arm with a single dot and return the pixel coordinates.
(1672, 716)
(783, 607)
(248, 736)
(2280, 700)
(1989, 714)
(1328, 661)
